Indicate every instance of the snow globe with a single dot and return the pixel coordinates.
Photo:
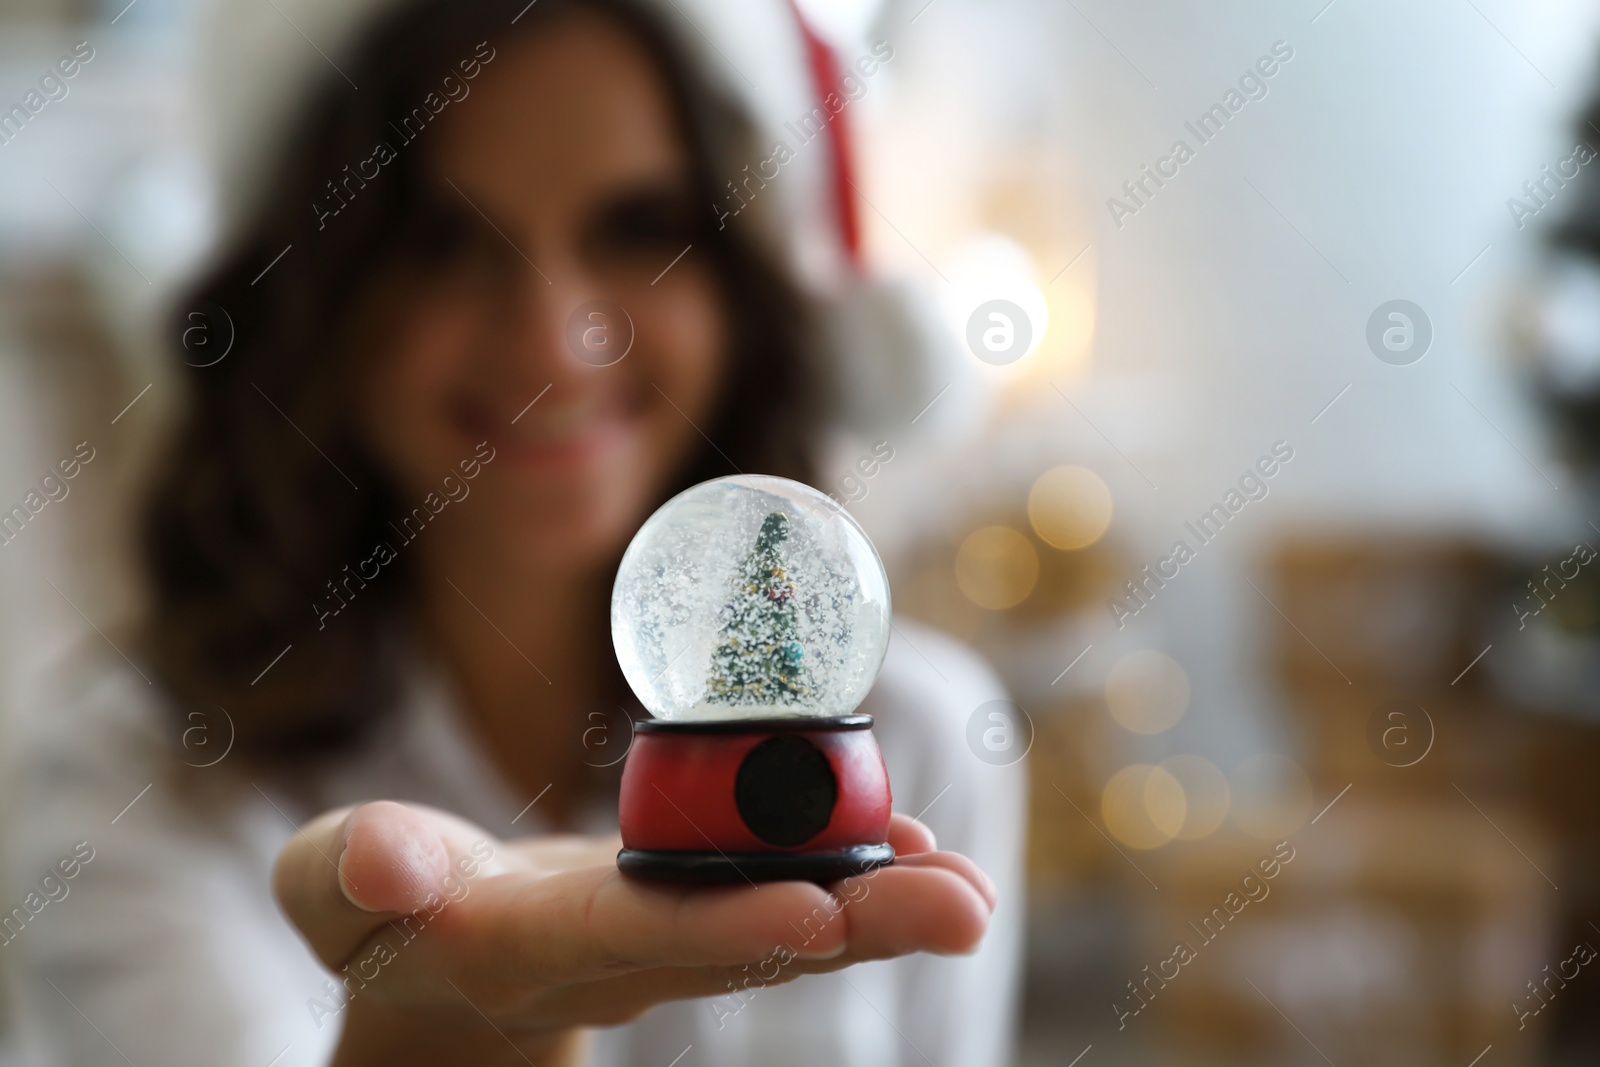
(750, 616)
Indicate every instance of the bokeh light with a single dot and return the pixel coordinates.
(1271, 796)
(993, 266)
(997, 567)
(1205, 791)
(1147, 692)
(1069, 507)
(1066, 357)
(1143, 806)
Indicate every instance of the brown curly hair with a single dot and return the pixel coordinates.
(246, 520)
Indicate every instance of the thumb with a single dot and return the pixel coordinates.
(350, 871)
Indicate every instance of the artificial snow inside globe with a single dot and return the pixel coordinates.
(750, 616)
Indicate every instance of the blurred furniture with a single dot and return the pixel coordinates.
(1424, 899)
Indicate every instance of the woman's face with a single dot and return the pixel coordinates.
(561, 179)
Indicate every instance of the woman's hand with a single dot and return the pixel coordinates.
(458, 947)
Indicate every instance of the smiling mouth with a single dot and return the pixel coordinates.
(551, 430)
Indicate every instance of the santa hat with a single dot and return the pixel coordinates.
(889, 350)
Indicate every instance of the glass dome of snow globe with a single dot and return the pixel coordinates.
(750, 597)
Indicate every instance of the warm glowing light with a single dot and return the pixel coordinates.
(1147, 692)
(1271, 796)
(991, 267)
(1205, 788)
(997, 567)
(1072, 315)
(1069, 507)
(1143, 806)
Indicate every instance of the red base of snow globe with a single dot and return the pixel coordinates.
(800, 799)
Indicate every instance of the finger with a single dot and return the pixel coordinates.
(564, 852)
(918, 907)
(956, 863)
(595, 922)
(909, 837)
(591, 923)
(350, 871)
(888, 913)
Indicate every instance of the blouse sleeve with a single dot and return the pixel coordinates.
(955, 1010)
(139, 925)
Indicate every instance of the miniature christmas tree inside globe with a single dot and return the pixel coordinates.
(750, 597)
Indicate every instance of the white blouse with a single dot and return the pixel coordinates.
(163, 946)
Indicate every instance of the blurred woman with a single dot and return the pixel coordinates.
(379, 558)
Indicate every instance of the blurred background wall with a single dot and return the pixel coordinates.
(1338, 667)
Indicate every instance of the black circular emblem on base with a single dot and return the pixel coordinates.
(785, 791)
(717, 867)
